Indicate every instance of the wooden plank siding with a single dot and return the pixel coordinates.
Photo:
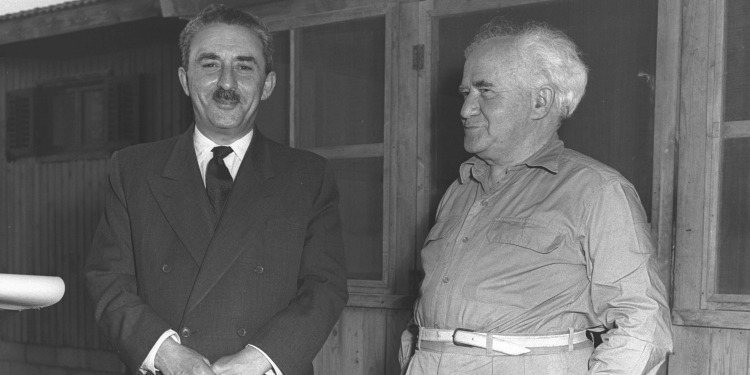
(51, 207)
(710, 351)
(701, 346)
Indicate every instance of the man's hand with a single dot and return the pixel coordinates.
(175, 359)
(248, 361)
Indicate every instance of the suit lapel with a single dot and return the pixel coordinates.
(243, 217)
(180, 194)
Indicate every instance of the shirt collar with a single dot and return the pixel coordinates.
(547, 157)
(203, 144)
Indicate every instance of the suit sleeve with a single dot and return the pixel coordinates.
(124, 318)
(295, 335)
(627, 295)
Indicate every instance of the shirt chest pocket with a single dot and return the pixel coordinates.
(437, 242)
(525, 233)
(515, 260)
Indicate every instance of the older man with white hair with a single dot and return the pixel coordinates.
(535, 245)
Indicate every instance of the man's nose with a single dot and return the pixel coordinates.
(470, 107)
(227, 80)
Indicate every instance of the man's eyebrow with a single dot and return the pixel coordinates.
(248, 59)
(483, 84)
(207, 56)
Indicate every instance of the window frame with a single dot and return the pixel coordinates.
(701, 133)
(119, 132)
(393, 289)
(718, 131)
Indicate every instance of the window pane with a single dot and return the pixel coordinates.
(734, 219)
(360, 184)
(94, 129)
(341, 83)
(273, 115)
(64, 124)
(737, 81)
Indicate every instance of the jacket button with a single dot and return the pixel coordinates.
(185, 332)
(241, 332)
(259, 270)
(166, 268)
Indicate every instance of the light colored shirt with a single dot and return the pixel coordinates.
(203, 146)
(561, 241)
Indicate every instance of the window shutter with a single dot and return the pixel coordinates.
(122, 109)
(20, 122)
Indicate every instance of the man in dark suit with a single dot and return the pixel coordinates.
(213, 259)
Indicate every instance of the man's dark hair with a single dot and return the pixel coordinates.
(217, 13)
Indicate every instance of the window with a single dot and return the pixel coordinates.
(334, 96)
(728, 282)
(712, 286)
(73, 116)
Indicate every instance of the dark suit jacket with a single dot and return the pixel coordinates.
(270, 273)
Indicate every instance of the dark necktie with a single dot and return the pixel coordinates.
(218, 179)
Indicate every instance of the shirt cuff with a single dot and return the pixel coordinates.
(275, 370)
(148, 363)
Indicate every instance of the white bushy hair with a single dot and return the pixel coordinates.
(548, 57)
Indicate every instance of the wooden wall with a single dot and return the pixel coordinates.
(51, 205)
(710, 351)
(702, 347)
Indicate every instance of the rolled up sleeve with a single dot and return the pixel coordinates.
(627, 295)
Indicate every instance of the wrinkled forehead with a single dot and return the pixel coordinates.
(220, 37)
(503, 52)
(497, 60)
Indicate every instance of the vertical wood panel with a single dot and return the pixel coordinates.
(691, 351)
(729, 352)
(691, 138)
(50, 209)
(666, 119)
(364, 341)
(395, 325)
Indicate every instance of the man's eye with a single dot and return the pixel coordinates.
(464, 93)
(245, 67)
(209, 65)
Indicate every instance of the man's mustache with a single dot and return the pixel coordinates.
(226, 96)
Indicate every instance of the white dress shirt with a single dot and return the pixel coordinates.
(203, 147)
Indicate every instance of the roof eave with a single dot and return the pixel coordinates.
(81, 15)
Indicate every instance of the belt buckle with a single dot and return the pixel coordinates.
(458, 343)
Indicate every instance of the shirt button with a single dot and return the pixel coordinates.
(185, 332)
(465, 239)
(258, 270)
(484, 203)
(241, 332)
(166, 268)
(446, 279)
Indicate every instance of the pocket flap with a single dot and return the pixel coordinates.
(442, 228)
(525, 233)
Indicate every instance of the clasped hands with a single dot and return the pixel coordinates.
(175, 359)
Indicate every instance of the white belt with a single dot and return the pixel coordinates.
(512, 345)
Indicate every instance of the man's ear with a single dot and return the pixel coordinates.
(183, 80)
(544, 97)
(268, 85)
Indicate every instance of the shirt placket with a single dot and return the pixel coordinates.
(467, 242)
